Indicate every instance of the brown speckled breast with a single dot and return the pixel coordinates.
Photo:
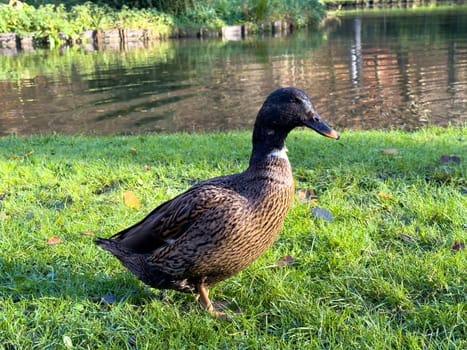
(231, 236)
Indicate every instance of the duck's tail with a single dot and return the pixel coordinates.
(131, 260)
(137, 264)
(125, 255)
(110, 245)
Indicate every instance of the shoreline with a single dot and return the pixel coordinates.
(25, 28)
(152, 26)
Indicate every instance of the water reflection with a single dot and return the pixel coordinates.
(378, 71)
(356, 64)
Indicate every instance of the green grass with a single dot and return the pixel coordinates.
(383, 275)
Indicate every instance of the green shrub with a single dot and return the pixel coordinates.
(174, 7)
(89, 16)
(52, 21)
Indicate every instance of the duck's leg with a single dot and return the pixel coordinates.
(206, 302)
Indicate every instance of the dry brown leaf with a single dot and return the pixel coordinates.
(285, 261)
(26, 155)
(14, 156)
(305, 195)
(131, 200)
(301, 194)
(450, 159)
(407, 238)
(385, 195)
(458, 246)
(391, 151)
(54, 241)
(88, 233)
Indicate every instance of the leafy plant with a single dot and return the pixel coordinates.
(89, 16)
(53, 22)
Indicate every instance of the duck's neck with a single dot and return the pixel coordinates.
(268, 143)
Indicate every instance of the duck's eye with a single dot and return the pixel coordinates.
(316, 118)
(297, 100)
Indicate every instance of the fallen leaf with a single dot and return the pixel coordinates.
(54, 241)
(301, 194)
(323, 214)
(305, 195)
(285, 261)
(131, 200)
(133, 150)
(407, 238)
(391, 151)
(450, 159)
(26, 155)
(147, 168)
(458, 246)
(385, 195)
(109, 299)
(88, 233)
(67, 342)
(445, 159)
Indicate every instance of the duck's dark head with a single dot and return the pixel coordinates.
(284, 110)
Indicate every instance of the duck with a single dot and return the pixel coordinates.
(218, 227)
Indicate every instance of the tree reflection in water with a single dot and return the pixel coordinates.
(364, 72)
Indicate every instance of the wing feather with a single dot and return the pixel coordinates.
(169, 221)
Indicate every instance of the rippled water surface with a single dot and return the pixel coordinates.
(367, 71)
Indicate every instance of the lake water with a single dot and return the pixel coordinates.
(376, 70)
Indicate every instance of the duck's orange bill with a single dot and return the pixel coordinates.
(322, 128)
(332, 134)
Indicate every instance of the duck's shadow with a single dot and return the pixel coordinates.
(34, 279)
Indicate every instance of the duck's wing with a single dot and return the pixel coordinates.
(170, 220)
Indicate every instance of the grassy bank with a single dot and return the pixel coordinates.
(388, 273)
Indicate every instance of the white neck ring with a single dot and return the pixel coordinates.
(279, 153)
